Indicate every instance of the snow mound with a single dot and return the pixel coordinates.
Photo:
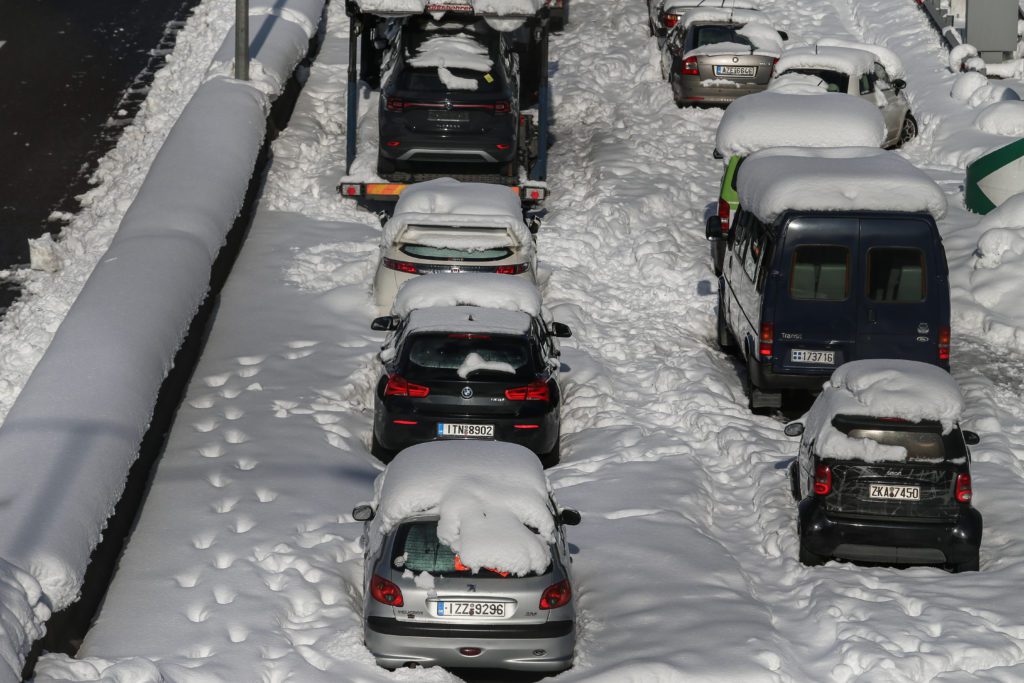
(468, 319)
(763, 36)
(453, 52)
(850, 61)
(903, 389)
(486, 494)
(974, 89)
(887, 58)
(959, 54)
(775, 119)
(450, 196)
(775, 180)
(724, 15)
(1002, 118)
(486, 290)
(998, 262)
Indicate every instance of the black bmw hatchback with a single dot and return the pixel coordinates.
(450, 101)
(466, 372)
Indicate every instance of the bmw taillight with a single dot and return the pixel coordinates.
(556, 595)
(943, 343)
(822, 479)
(723, 212)
(400, 386)
(513, 269)
(690, 67)
(394, 103)
(766, 340)
(534, 391)
(401, 266)
(386, 592)
(963, 488)
(670, 20)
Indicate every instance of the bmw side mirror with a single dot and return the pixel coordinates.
(363, 513)
(794, 429)
(717, 155)
(899, 84)
(713, 228)
(784, 35)
(385, 323)
(569, 517)
(971, 438)
(560, 330)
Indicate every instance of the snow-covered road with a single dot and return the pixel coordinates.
(245, 565)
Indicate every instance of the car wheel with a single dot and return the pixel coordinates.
(725, 339)
(385, 166)
(378, 451)
(794, 479)
(551, 458)
(971, 565)
(908, 131)
(810, 559)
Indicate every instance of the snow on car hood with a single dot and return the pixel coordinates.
(903, 389)
(773, 119)
(486, 290)
(779, 179)
(489, 497)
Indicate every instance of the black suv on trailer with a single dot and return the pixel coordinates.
(466, 372)
(450, 101)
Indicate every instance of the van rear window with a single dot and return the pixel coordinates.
(820, 272)
(896, 275)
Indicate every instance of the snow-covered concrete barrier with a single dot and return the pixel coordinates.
(70, 438)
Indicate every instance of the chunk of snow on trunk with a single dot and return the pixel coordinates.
(44, 254)
(475, 362)
(454, 52)
(453, 82)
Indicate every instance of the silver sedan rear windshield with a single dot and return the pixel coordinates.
(418, 549)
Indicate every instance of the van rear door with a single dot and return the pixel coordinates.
(903, 289)
(815, 304)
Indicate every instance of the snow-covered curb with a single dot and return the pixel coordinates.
(69, 439)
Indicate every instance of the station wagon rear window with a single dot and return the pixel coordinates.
(445, 254)
(896, 275)
(438, 356)
(820, 272)
(418, 549)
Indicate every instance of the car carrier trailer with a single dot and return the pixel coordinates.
(367, 19)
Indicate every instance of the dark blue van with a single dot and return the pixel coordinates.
(804, 290)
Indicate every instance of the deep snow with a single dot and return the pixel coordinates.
(245, 563)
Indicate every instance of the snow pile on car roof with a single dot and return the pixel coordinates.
(485, 290)
(850, 61)
(489, 496)
(720, 16)
(501, 8)
(772, 181)
(773, 119)
(889, 60)
(901, 389)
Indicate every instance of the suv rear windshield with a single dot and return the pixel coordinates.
(427, 80)
(924, 441)
(439, 356)
(445, 254)
(418, 549)
(896, 275)
(820, 272)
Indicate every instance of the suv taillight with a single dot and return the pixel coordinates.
(690, 67)
(400, 386)
(502, 107)
(766, 340)
(822, 479)
(723, 213)
(943, 343)
(963, 488)
(556, 595)
(670, 20)
(534, 391)
(394, 103)
(386, 592)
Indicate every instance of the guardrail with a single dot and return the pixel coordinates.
(988, 25)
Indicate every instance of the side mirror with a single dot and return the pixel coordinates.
(385, 323)
(784, 35)
(363, 513)
(534, 225)
(717, 155)
(794, 429)
(899, 84)
(569, 517)
(713, 228)
(560, 330)
(971, 438)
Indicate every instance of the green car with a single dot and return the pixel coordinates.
(728, 202)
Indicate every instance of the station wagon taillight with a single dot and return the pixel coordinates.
(690, 67)
(400, 386)
(766, 340)
(670, 20)
(723, 213)
(386, 592)
(943, 343)
(556, 595)
(513, 269)
(822, 479)
(534, 391)
(401, 266)
(963, 488)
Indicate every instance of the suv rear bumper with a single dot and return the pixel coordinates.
(868, 540)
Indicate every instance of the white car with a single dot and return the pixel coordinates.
(867, 71)
(447, 226)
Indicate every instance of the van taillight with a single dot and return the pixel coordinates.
(400, 386)
(690, 67)
(394, 103)
(534, 391)
(943, 343)
(386, 592)
(764, 347)
(670, 20)
(822, 479)
(963, 488)
(723, 213)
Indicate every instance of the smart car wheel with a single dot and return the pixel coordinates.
(908, 131)
(972, 565)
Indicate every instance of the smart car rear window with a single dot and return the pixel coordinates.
(820, 272)
(896, 275)
(418, 549)
(923, 441)
(439, 356)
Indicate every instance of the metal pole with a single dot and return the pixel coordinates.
(354, 24)
(242, 40)
(540, 168)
